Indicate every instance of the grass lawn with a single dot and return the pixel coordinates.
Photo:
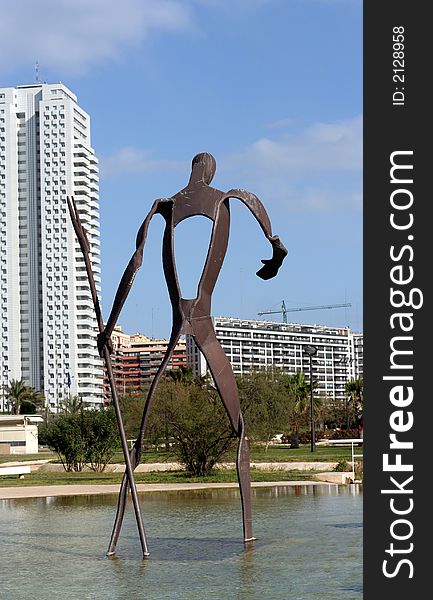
(277, 453)
(90, 478)
(283, 453)
(42, 455)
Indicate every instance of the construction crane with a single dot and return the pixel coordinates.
(285, 310)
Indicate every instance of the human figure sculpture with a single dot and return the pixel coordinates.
(191, 316)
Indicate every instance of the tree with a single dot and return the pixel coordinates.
(82, 437)
(64, 437)
(22, 398)
(299, 391)
(99, 430)
(335, 413)
(265, 403)
(132, 406)
(182, 375)
(72, 405)
(32, 403)
(193, 417)
(355, 392)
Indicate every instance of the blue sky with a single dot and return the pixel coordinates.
(272, 88)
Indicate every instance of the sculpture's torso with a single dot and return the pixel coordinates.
(196, 200)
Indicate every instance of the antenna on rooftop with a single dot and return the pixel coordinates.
(37, 80)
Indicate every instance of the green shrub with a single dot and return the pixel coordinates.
(195, 419)
(82, 438)
(302, 437)
(342, 466)
(344, 434)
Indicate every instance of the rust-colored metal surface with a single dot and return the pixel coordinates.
(189, 315)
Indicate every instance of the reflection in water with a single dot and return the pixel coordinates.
(309, 546)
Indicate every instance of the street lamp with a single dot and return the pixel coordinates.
(311, 351)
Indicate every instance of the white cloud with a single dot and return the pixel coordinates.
(318, 169)
(320, 147)
(305, 196)
(72, 35)
(281, 123)
(325, 200)
(130, 160)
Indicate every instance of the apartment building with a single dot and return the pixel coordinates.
(136, 359)
(253, 345)
(47, 323)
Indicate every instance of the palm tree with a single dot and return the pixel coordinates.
(355, 392)
(299, 390)
(34, 401)
(72, 405)
(17, 392)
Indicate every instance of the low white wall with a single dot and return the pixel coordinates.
(24, 435)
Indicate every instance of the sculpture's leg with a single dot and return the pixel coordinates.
(121, 505)
(225, 382)
(135, 454)
(244, 478)
(129, 469)
(85, 248)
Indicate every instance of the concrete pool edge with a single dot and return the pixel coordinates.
(36, 491)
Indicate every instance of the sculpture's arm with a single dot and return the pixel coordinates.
(279, 251)
(104, 338)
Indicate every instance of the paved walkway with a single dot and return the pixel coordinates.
(39, 491)
(45, 465)
(73, 490)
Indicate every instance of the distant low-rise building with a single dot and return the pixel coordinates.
(136, 359)
(254, 345)
(19, 434)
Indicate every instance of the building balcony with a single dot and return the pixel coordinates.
(80, 188)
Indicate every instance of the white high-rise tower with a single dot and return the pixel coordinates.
(47, 323)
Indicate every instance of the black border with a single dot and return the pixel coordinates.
(388, 128)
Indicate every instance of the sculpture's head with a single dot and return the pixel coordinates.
(203, 167)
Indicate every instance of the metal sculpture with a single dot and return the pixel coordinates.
(190, 316)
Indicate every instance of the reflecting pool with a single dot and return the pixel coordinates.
(309, 547)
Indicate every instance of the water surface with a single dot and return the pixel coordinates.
(309, 547)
